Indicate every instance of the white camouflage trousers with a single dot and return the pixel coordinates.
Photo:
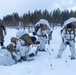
(42, 42)
(63, 47)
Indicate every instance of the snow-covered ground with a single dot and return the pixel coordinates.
(45, 63)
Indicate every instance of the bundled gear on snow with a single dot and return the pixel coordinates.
(6, 58)
(68, 37)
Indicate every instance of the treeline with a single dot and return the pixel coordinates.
(54, 17)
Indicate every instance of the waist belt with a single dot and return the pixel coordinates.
(40, 35)
(70, 39)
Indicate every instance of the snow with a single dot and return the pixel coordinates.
(45, 63)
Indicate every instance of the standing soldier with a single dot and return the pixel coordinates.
(41, 30)
(2, 33)
(68, 37)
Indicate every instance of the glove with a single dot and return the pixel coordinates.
(51, 31)
(34, 33)
(36, 42)
(67, 43)
(44, 35)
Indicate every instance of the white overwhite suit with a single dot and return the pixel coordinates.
(42, 31)
(19, 44)
(42, 38)
(67, 37)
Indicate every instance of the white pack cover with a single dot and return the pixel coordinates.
(70, 20)
(22, 49)
(6, 58)
(42, 21)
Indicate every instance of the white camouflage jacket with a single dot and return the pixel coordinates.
(66, 36)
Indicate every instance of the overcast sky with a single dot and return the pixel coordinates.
(23, 6)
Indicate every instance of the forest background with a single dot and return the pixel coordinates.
(55, 17)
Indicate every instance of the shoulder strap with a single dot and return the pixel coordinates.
(36, 28)
(74, 32)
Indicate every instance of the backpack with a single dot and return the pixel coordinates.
(27, 39)
(13, 40)
(10, 48)
(66, 32)
(42, 26)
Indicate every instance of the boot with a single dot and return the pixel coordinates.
(43, 50)
(72, 58)
(58, 56)
(31, 55)
(23, 58)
